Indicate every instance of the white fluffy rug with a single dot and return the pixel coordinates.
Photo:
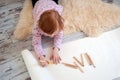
(90, 16)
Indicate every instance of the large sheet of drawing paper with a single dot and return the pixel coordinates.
(104, 51)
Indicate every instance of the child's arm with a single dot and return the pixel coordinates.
(58, 40)
(57, 43)
(36, 42)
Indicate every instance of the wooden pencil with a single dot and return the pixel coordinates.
(82, 61)
(89, 60)
(78, 67)
(78, 61)
(70, 65)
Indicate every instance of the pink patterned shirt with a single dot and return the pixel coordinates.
(40, 7)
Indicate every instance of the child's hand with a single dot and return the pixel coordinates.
(55, 56)
(43, 61)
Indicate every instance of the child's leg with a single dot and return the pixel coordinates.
(56, 1)
(33, 2)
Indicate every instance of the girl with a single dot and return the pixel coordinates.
(47, 22)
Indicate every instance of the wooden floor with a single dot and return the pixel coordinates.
(12, 66)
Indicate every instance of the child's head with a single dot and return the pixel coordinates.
(50, 22)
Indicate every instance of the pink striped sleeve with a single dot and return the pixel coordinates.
(36, 42)
(58, 39)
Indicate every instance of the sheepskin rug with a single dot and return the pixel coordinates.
(92, 17)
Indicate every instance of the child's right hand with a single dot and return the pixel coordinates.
(43, 61)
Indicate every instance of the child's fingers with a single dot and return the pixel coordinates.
(56, 60)
(60, 58)
(51, 57)
(43, 63)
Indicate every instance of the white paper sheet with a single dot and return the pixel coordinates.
(104, 50)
